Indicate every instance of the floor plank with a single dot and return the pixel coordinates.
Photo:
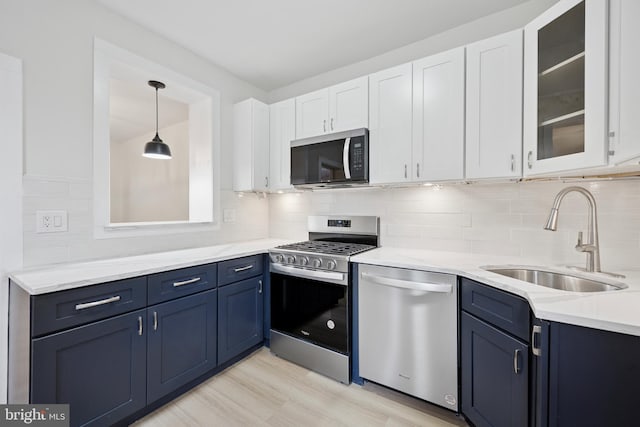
(264, 390)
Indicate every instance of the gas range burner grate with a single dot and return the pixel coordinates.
(329, 248)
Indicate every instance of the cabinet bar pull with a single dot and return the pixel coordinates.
(97, 303)
(536, 330)
(245, 268)
(513, 163)
(331, 123)
(186, 282)
(418, 170)
(324, 125)
(259, 286)
(155, 320)
(405, 171)
(530, 159)
(139, 325)
(516, 367)
(266, 181)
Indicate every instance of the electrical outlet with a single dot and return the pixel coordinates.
(51, 221)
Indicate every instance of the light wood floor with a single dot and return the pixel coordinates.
(264, 390)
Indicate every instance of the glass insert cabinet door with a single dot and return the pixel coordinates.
(565, 88)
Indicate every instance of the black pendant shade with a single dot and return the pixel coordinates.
(156, 149)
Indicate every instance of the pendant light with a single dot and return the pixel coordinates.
(156, 149)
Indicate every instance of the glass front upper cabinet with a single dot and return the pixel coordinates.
(565, 88)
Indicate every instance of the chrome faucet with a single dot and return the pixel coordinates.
(591, 247)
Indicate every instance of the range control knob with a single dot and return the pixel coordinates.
(331, 264)
(291, 259)
(317, 262)
(304, 260)
(278, 258)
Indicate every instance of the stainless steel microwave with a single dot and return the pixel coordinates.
(333, 160)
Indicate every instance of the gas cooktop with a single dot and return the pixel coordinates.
(327, 247)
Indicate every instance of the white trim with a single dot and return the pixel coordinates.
(204, 110)
(11, 244)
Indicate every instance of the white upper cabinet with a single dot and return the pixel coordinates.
(494, 107)
(565, 88)
(250, 146)
(390, 93)
(282, 128)
(312, 112)
(340, 107)
(624, 119)
(438, 117)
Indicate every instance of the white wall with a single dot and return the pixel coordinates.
(144, 189)
(55, 41)
(502, 219)
(507, 20)
(10, 193)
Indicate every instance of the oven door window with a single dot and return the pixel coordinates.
(311, 310)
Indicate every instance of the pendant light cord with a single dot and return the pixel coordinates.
(156, 111)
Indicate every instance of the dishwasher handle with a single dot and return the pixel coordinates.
(442, 288)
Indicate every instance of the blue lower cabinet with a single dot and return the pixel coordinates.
(591, 377)
(494, 375)
(181, 342)
(240, 317)
(99, 369)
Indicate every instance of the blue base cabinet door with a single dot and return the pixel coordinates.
(181, 342)
(240, 308)
(494, 375)
(98, 369)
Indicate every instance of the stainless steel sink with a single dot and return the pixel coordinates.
(555, 280)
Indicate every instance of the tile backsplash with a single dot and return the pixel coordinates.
(482, 218)
(78, 244)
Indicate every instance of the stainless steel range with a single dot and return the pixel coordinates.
(311, 293)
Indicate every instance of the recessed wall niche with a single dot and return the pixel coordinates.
(134, 195)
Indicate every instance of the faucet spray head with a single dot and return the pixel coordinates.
(552, 221)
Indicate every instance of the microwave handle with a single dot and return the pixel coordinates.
(345, 158)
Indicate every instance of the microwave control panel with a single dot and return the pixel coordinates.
(358, 157)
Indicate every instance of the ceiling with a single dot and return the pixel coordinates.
(274, 43)
(132, 110)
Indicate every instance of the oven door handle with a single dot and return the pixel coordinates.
(345, 158)
(406, 284)
(309, 274)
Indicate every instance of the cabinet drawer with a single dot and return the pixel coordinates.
(502, 309)
(238, 269)
(178, 283)
(62, 310)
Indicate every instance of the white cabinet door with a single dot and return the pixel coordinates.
(348, 105)
(438, 117)
(565, 88)
(390, 118)
(282, 128)
(312, 114)
(494, 107)
(624, 119)
(250, 146)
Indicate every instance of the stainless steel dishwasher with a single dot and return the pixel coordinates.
(408, 332)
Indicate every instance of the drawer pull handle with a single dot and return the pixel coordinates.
(140, 325)
(516, 366)
(245, 268)
(85, 305)
(186, 282)
(259, 286)
(155, 320)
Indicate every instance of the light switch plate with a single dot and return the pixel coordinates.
(51, 221)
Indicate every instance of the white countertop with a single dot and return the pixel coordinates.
(617, 311)
(68, 276)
